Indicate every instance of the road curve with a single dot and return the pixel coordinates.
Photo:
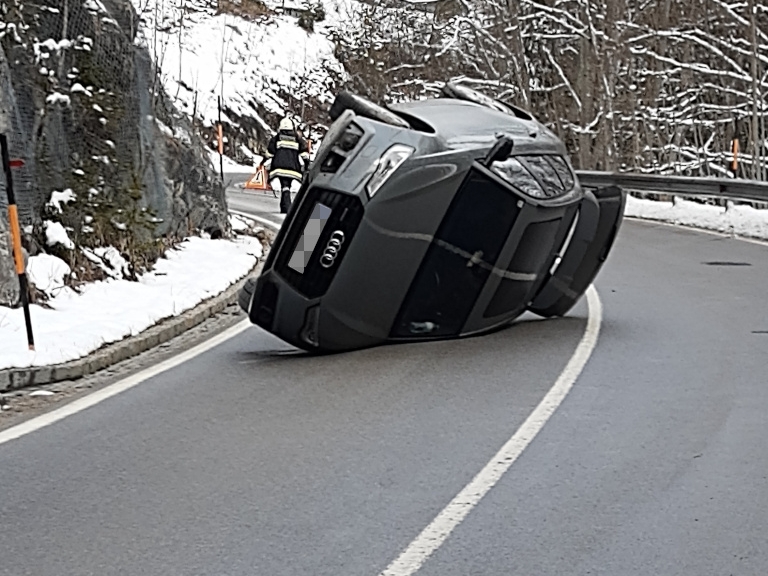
(655, 464)
(253, 459)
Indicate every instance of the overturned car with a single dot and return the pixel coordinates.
(430, 219)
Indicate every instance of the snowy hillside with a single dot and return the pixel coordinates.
(251, 62)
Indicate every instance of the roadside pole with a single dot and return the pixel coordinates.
(221, 143)
(734, 167)
(18, 255)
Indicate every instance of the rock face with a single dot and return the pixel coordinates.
(9, 284)
(82, 104)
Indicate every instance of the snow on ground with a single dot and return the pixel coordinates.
(111, 310)
(202, 55)
(245, 61)
(232, 166)
(736, 219)
(56, 234)
(239, 223)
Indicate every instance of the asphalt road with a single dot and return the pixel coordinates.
(253, 459)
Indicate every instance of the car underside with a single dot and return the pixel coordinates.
(433, 219)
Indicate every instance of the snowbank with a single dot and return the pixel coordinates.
(232, 166)
(736, 219)
(109, 311)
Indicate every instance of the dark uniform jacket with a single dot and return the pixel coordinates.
(287, 150)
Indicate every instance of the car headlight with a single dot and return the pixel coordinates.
(389, 162)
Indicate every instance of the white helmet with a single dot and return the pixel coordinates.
(286, 125)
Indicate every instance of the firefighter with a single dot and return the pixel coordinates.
(290, 157)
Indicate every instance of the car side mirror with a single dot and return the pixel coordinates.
(500, 151)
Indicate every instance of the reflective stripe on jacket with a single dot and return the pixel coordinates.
(285, 173)
(287, 149)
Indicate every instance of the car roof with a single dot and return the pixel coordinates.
(466, 124)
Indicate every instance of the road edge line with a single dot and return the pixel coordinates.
(99, 396)
(413, 557)
(43, 420)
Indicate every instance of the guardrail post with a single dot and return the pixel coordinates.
(733, 167)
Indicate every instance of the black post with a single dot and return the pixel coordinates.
(221, 143)
(18, 255)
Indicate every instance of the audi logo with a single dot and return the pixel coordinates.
(332, 249)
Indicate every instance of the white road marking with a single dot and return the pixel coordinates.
(76, 406)
(112, 390)
(434, 535)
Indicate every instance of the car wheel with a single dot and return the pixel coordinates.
(365, 108)
(246, 293)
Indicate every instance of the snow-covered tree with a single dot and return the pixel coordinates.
(654, 85)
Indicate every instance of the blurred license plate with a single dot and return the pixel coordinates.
(308, 241)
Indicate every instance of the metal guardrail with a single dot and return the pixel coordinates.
(732, 188)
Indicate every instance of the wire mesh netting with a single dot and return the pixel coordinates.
(82, 105)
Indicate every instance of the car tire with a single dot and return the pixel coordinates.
(365, 108)
(246, 294)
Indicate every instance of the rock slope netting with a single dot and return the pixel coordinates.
(82, 103)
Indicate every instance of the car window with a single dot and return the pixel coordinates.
(546, 174)
(563, 171)
(518, 176)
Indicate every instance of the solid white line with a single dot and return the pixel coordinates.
(112, 390)
(76, 406)
(434, 535)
